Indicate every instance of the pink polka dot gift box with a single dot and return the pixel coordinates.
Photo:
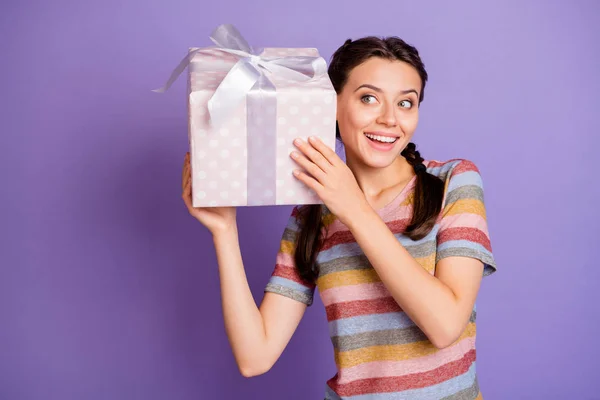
(245, 108)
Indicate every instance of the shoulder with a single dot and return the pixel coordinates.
(463, 186)
(455, 172)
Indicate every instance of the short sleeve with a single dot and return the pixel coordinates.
(463, 224)
(285, 279)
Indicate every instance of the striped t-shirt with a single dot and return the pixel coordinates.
(379, 351)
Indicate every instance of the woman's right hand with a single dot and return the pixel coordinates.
(216, 219)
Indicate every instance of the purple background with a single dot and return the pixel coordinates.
(109, 289)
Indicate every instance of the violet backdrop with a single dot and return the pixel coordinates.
(109, 289)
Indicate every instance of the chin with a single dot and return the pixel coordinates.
(375, 158)
(379, 162)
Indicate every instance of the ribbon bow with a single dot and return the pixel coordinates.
(248, 73)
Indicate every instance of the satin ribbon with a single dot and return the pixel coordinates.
(244, 76)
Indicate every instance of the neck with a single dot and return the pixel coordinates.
(376, 181)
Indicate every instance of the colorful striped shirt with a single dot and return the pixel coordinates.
(380, 353)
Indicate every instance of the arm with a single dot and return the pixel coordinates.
(440, 305)
(257, 336)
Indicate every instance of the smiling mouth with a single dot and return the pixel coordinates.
(381, 139)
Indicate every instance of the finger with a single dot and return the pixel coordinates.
(185, 188)
(327, 152)
(313, 154)
(188, 184)
(308, 165)
(185, 178)
(308, 180)
(186, 165)
(187, 197)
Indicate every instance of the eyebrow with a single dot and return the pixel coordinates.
(379, 90)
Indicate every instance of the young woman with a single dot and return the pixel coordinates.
(397, 251)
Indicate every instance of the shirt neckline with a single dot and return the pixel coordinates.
(400, 197)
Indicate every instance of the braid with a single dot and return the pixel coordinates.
(428, 195)
(413, 157)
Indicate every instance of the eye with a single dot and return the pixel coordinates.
(406, 104)
(364, 99)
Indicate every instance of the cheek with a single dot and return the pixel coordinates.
(409, 122)
(357, 121)
(351, 125)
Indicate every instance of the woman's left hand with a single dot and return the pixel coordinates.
(329, 177)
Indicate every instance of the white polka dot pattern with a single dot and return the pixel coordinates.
(219, 156)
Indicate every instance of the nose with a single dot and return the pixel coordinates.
(388, 116)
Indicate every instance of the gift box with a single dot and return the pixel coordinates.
(245, 108)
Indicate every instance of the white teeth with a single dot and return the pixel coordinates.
(383, 139)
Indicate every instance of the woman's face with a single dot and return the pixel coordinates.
(377, 111)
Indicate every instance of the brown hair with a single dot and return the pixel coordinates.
(429, 189)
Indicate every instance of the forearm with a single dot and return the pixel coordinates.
(424, 298)
(243, 321)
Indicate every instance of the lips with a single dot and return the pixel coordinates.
(386, 134)
(381, 142)
(381, 137)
